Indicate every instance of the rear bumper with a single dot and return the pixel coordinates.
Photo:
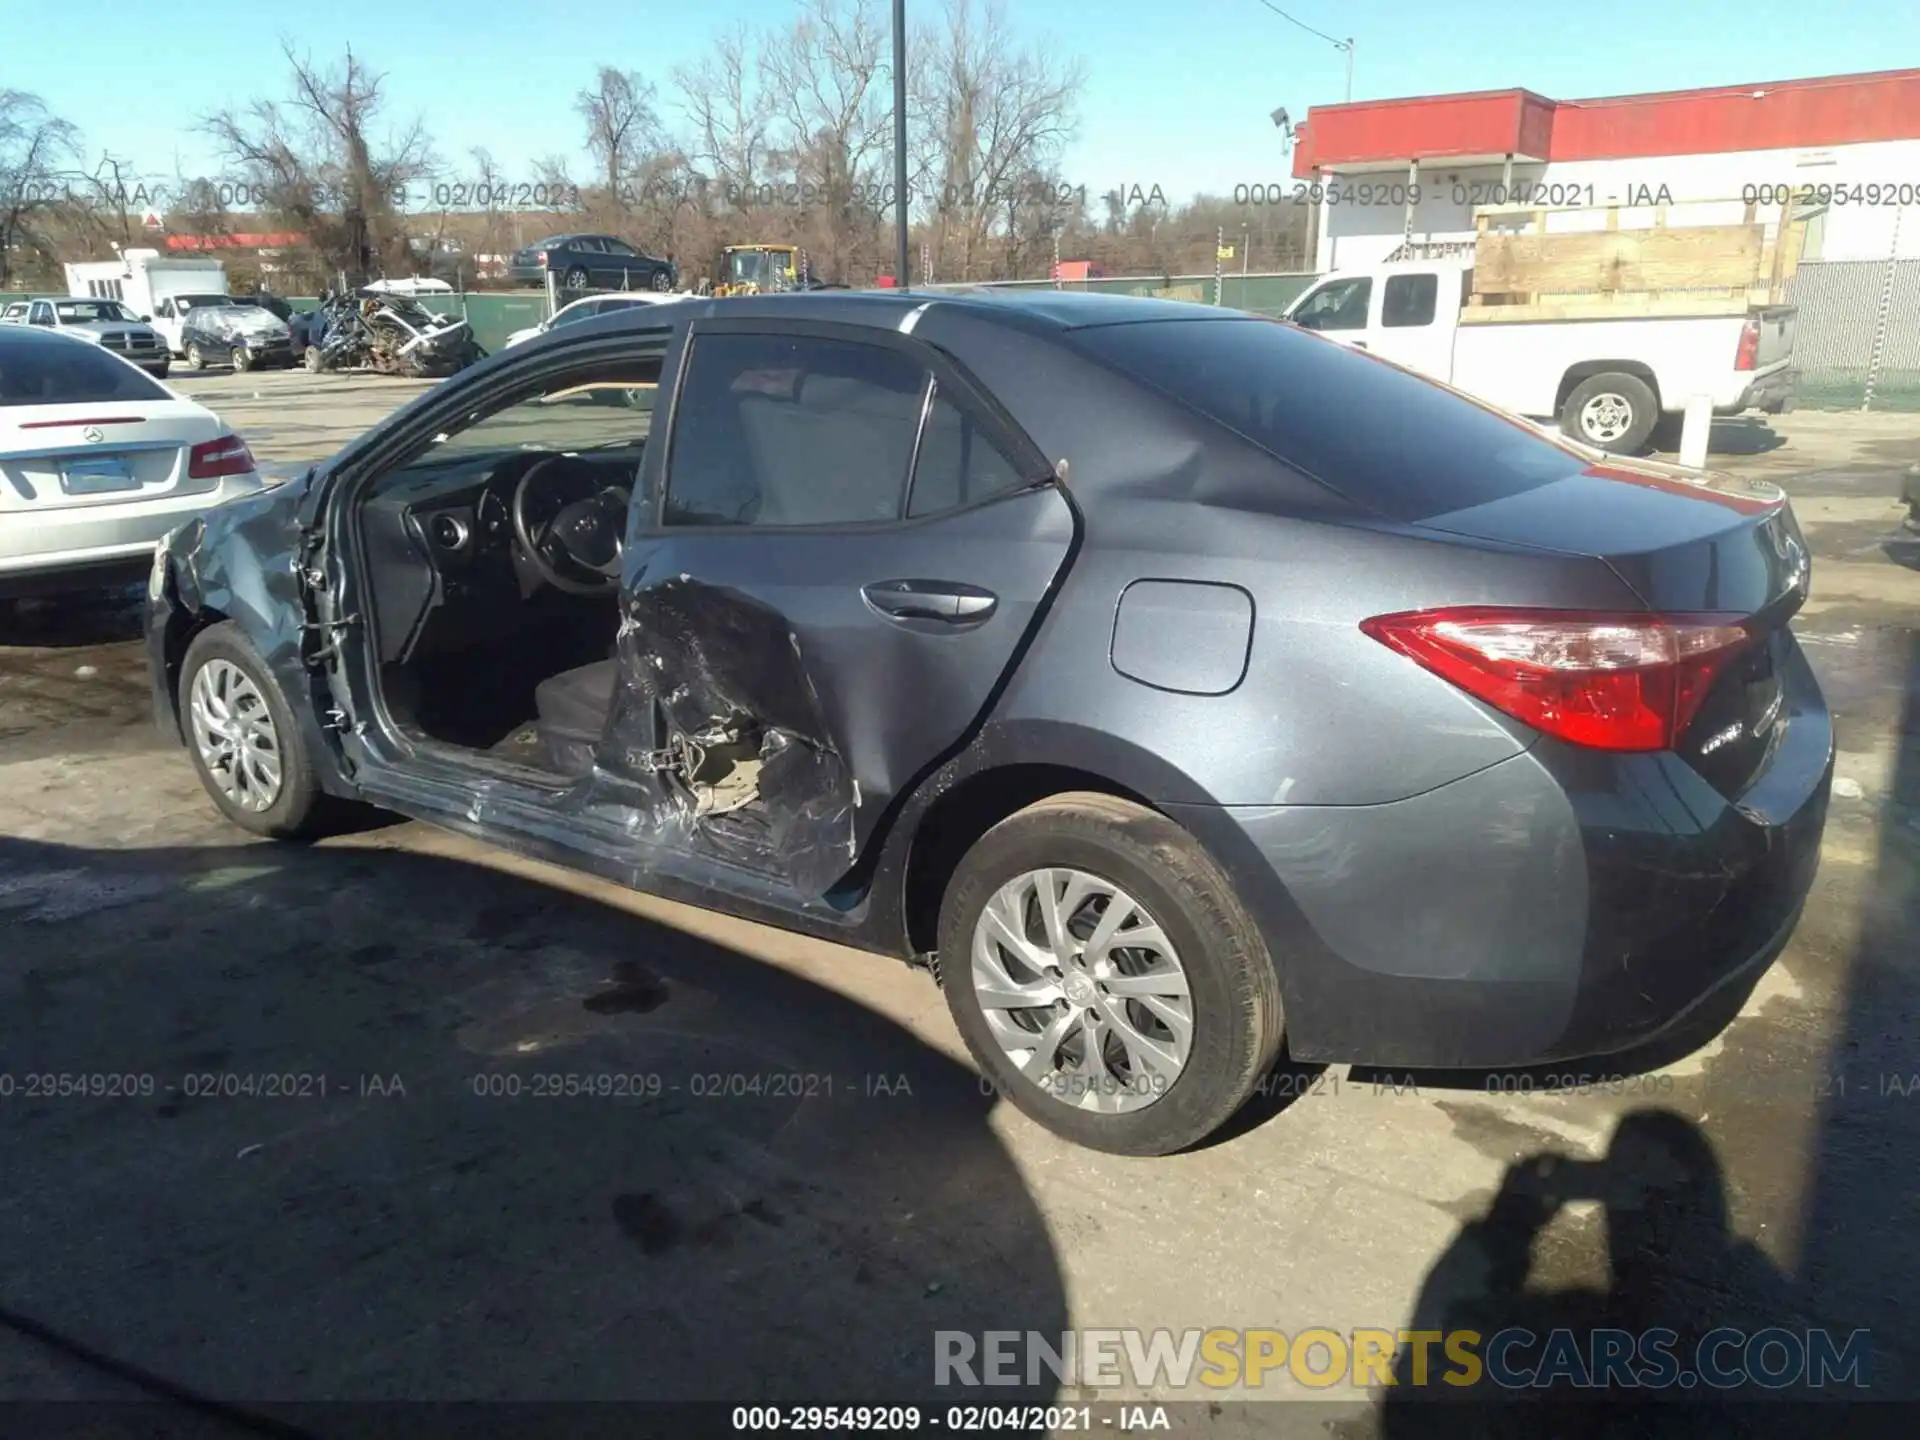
(37, 548)
(1558, 905)
(1772, 393)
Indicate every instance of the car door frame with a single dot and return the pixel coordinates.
(948, 377)
(1432, 342)
(559, 820)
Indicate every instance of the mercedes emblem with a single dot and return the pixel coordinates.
(93, 434)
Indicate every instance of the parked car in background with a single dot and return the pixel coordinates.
(240, 333)
(587, 309)
(151, 284)
(1166, 680)
(171, 311)
(106, 323)
(597, 261)
(97, 462)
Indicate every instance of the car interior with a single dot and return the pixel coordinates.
(494, 556)
(493, 562)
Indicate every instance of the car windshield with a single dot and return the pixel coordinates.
(41, 369)
(80, 312)
(1405, 446)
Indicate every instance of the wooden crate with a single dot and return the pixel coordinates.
(1616, 273)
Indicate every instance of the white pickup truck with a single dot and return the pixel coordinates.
(1605, 381)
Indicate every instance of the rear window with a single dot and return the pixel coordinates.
(1390, 440)
(36, 370)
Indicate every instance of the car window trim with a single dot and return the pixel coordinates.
(945, 373)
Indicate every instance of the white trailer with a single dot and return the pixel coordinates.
(159, 288)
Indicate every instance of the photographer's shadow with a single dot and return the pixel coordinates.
(1673, 1264)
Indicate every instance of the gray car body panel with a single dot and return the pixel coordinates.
(1438, 883)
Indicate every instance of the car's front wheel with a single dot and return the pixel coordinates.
(242, 359)
(662, 281)
(250, 753)
(1105, 977)
(196, 357)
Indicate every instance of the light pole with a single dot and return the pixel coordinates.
(900, 256)
(1338, 44)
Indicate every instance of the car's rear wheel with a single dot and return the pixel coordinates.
(1615, 412)
(196, 357)
(576, 279)
(249, 752)
(1105, 977)
(662, 280)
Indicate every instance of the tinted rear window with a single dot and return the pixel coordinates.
(1380, 436)
(37, 370)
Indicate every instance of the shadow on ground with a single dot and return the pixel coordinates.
(1671, 1263)
(561, 1153)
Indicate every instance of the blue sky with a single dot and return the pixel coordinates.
(1176, 96)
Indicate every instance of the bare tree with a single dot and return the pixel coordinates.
(1004, 112)
(623, 129)
(319, 165)
(37, 151)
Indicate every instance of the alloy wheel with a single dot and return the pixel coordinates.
(1606, 417)
(234, 732)
(1082, 990)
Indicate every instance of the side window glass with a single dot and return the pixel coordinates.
(1409, 301)
(790, 430)
(958, 464)
(1341, 306)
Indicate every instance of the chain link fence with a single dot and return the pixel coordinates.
(1857, 339)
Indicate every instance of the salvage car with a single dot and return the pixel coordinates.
(1168, 681)
(97, 462)
(239, 333)
(106, 323)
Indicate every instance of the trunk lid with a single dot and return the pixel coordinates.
(1777, 324)
(1686, 545)
(50, 458)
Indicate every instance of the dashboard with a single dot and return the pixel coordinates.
(441, 552)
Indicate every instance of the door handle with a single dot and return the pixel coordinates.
(942, 600)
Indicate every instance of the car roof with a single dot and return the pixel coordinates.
(1037, 309)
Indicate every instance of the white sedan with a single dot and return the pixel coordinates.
(591, 306)
(98, 461)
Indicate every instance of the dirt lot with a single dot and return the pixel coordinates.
(416, 1231)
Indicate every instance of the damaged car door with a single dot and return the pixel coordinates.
(849, 546)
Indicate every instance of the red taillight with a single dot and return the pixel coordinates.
(1749, 352)
(1613, 682)
(211, 459)
(539, 257)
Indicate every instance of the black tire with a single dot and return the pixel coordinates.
(661, 281)
(300, 810)
(1631, 396)
(576, 279)
(196, 357)
(1238, 1022)
(242, 359)
(315, 359)
(161, 372)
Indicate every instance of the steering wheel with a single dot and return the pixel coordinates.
(569, 526)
